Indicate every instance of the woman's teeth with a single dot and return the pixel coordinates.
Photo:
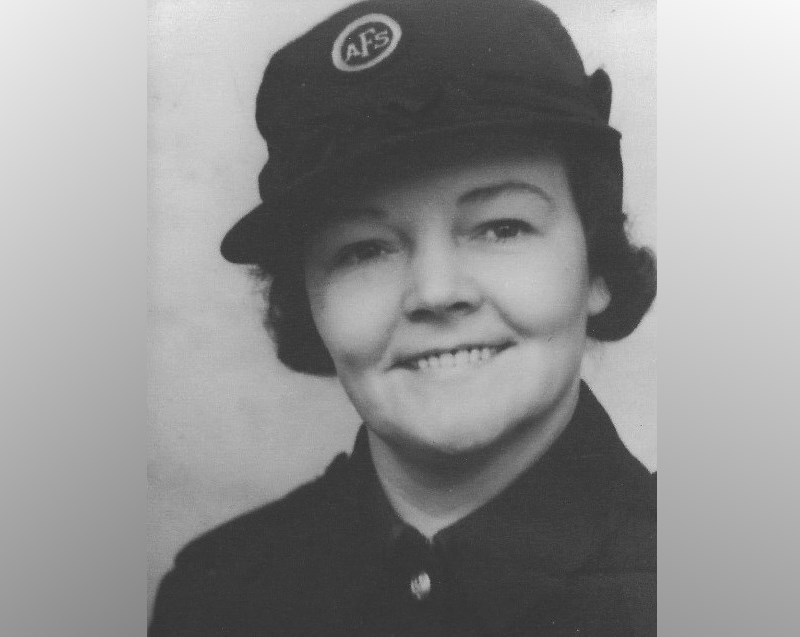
(456, 358)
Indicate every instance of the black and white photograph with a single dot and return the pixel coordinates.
(401, 318)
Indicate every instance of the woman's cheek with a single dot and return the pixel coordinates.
(537, 300)
(355, 317)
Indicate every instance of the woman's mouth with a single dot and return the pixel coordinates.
(453, 359)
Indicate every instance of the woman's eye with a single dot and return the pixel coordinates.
(360, 252)
(504, 230)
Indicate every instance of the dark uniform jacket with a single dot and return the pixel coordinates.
(568, 549)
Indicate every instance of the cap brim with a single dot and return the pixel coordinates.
(251, 240)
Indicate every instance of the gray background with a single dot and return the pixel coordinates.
(229, 428)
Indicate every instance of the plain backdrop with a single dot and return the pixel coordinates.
(229, 427)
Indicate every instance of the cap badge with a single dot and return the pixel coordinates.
(366, 42)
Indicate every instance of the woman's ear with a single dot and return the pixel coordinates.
(599, 296)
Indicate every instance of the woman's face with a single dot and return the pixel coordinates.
(453, 300)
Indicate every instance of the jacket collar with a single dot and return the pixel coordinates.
(546, 528)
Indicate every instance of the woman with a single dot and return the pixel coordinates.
(441, 227)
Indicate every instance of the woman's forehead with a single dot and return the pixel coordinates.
(454, 179)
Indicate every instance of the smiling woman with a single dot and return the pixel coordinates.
(441, 228)
(457, 259)
(455, 314)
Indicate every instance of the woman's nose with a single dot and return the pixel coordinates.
(439, 284)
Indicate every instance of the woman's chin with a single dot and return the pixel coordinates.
(445, 442)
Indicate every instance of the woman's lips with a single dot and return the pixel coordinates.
(451, 359)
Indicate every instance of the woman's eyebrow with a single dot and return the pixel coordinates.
(485, 193)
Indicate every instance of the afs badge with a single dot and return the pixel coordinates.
(366, 42)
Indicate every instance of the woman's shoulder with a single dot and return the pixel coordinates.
(630, 540)
(627, 559)
(274, 528)
(255, 563)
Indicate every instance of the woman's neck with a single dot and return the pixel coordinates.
(432, 495)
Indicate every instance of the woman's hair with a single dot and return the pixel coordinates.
(595, 177)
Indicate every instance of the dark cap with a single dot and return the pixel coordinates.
(379, 75)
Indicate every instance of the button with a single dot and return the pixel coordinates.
(421, 586)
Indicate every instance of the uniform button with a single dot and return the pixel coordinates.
(421, 586)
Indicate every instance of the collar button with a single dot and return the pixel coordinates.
(421, 586)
